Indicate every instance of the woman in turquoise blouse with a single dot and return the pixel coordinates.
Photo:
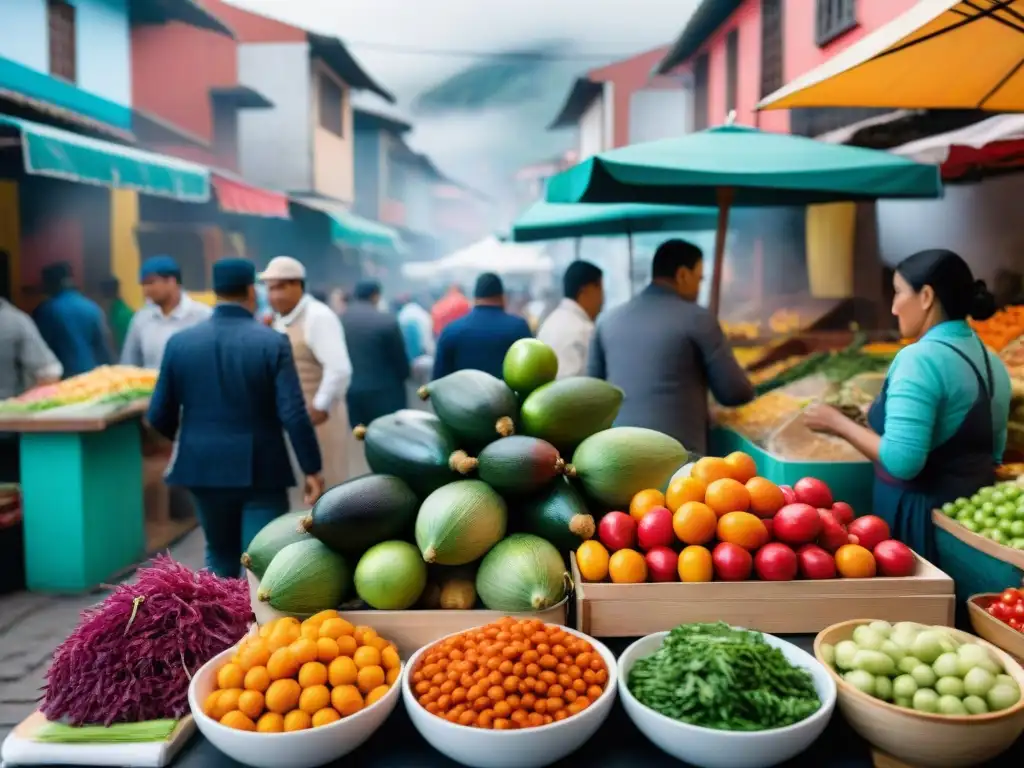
(938, 429)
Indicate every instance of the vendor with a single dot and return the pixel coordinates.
(938, 429)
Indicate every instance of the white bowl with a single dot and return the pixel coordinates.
(529, 748)
(711, 748)
(298, 749)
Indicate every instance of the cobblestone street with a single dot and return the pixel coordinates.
(32, 626)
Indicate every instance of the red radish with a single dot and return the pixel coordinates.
(796, 524)
(894, 558)
(655, 529)
(815, 562)
(843, 512)
(616, 531)
(775, 562)
(833, 535)
(662, 563)
(788, 494)
(870, 531)
(731, 562)
(811, 490)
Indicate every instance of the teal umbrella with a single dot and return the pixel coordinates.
(736, 165)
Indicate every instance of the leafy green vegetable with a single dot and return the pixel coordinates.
(837, 366)
(714, 676)
(119, 733)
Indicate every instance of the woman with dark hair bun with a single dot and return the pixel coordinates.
(938, 429)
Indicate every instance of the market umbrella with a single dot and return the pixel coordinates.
(940, 54)
(553, 221)
(735, 165)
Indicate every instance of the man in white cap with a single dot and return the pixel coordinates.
(321, 357)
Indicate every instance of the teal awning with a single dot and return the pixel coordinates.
(352, 230)
(59, 154)
(551, 221)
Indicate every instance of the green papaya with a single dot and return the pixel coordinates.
(272, 538)
(558, 515)
(516, 465)
(475, 406)
(352, 517)
(412, 445)
(568, 411)
(305, 578)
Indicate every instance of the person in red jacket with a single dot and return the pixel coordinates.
(450, 307)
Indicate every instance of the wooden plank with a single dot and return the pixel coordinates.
(39, 423)
(1000, 552)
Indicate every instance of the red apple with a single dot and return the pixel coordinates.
(870, 531)
(775, 562)
(815, 562)
(788, 494)
(833, 535)
(843, 512)
(894, 558)
(662, 563)
(731, 562)
(811, 490)
(796, 524)
(616, 531)
(655, 529)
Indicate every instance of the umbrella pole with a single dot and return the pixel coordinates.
(629, 276)
(725, 196)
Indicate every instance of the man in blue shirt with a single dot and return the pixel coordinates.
(480, 339)
(73, 326)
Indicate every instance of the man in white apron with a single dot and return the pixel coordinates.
(321, 358)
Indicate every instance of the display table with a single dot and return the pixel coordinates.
(81, 485)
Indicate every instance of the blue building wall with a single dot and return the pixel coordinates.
(367, 152)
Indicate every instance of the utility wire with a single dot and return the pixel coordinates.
(412, 50)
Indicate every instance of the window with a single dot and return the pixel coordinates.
(332, 105)
(61, 22)
(772, 73)
(700, 93)
(832, 18)
(732, 65)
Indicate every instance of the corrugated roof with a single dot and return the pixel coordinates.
(708, 17)
(337, 57)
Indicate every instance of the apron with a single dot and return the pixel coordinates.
(958, 467)
(334, 434)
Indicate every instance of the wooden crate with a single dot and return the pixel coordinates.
(992, 629)
(1001, 552)
(778, 607)
(411, 630)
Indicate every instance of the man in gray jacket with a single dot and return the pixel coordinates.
(665, 352)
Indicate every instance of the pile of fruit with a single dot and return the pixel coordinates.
(294, 676)
(106, 384)
(478, 504)
(725, 523)
(1009, 608)
(996, 512)
(928, 669)
(1002, 328)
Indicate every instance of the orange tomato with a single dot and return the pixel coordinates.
(709, 469)
(742, 529)
(644, 502)
(684, 489)
(592, 560)
(727, 495)
(627, 566)
(765, 497)
(695, 564)
(694, 523)
(741, 466)
(855, 562)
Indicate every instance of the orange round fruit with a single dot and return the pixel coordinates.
(644, 502)
(627, 566)
(855, 562)
(742, 529)
(592, 560)
(694, 523)
(727, 495)
(741, 466)
(684, 489)
(695, 564)
(765, 497)
(709, 469)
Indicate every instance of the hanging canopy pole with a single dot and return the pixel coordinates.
(577, 243)
(629, 276)
(725, 196)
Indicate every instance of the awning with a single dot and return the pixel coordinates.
(350, 229)
(237, 196)
(49, 151)
(993, 145)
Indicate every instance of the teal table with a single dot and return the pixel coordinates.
(82, 497)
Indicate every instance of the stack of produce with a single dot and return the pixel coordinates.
(725, 523)
(106, 384)
(758, 419)
(295, 676)
(477, 503)
(835, 366)
(1004, 327)
(996, 512)
(928, 669)
(1009, 608)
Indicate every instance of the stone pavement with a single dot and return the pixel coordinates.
(31, 628)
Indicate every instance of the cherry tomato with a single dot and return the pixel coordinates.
(993, 609)
(1010, 596)
(1018, 611)
(1001, 611)
(1016, 624)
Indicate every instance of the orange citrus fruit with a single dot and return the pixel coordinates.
(742, 529)
(695, 564)
(765, 497)
(592, 560)
(644, 502)
(855, 562)
(741, 466)
(627, 566)
(694, 523)
(709, 469)
(727, 495)
(684, 489)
